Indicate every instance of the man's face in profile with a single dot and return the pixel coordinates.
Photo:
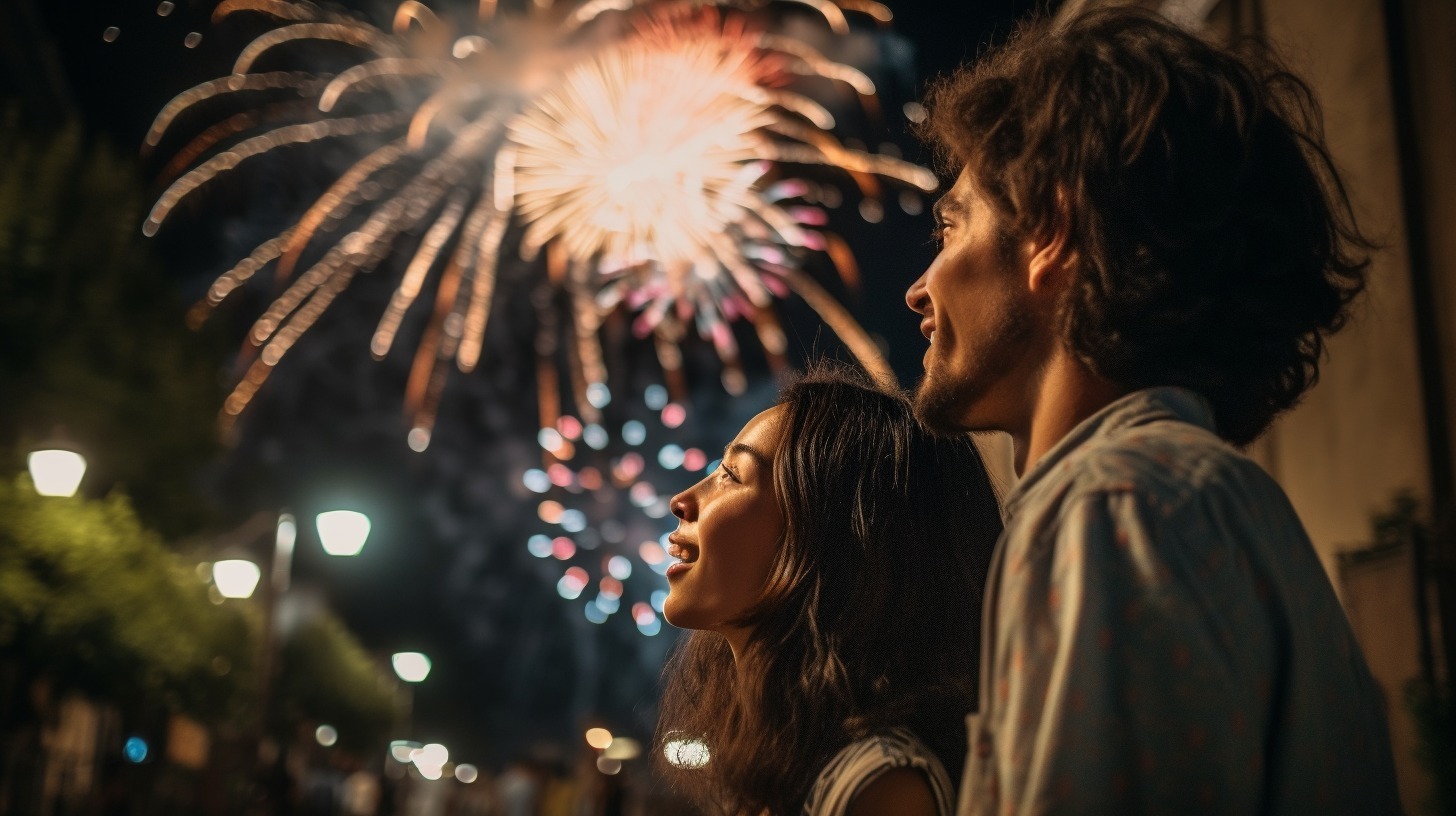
(975, 313)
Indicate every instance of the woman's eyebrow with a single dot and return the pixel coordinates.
(747, 450)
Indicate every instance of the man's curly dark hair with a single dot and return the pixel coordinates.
(1216, 247)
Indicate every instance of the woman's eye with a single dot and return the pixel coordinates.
(724, 472)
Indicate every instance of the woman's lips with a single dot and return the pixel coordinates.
(679, 568)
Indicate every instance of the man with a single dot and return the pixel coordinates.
(1142, 256)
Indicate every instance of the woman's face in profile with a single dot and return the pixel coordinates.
(728, 532)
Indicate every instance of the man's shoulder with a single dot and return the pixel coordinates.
(1167, 463)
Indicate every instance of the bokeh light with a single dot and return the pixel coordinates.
(326, 735)
(598, 738)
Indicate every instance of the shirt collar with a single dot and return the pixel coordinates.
(1137, 408)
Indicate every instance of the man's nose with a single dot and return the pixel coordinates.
(917, 297)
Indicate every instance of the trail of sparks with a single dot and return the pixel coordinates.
(642, 144)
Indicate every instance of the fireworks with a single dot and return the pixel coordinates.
(647, 150)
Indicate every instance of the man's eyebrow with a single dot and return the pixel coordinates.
(754, 453)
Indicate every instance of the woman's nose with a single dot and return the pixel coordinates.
(682, 505)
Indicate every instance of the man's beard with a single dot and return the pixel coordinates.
(946, 403)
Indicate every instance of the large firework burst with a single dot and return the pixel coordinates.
(649, 147)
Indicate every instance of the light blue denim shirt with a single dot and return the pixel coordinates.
(1160, 637)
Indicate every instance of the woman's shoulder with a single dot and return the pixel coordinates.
(865, 760)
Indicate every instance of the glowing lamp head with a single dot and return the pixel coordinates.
(56, 472)
(412, 667)
(342, 532)
(236, 577)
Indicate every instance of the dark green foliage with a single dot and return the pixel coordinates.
(328, 678)
(93, 602)
(92, 337)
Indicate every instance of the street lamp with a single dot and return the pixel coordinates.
(342, 532)
(236, 577)
(412, 667)
(56, 471)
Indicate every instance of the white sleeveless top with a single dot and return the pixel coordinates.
(861, 762)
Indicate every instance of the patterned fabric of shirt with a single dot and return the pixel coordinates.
(861, 762)
(1159, 636)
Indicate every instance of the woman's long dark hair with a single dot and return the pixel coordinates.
(871, 615)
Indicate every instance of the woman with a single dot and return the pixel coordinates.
(833, 567)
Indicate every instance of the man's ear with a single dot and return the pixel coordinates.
(1052, 254)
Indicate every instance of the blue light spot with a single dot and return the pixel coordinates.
(135, 750)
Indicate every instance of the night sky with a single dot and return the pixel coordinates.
(446, 571)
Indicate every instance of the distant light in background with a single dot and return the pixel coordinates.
(651, 628)
(536, 480)
(598, 738)
(236, 577)
(598, 395)
(659, 597)
(610, 767)
(670, 457)
(642, 613)
(550, 511)
(285, 536)
(165, 8)
(611, 589)
(595, 613)
(622, 749)
(549, 439)
(619, 567)
(713, 465)
(651, 553)
(674, 415)
(569, 426)
(401, 750)
(539, 546)
(326, 735)
(634, 432)
(430, 760)
(694, 459)
(629, 467)
(110, 34)
(342, 532)
(56, 472)
(915, 112)
(573, 521)
(192, 40)
(642, 494)
(563, 548)
(418, 439)
(595, 436)
(686, 753)
(655, 397)
(466, 773)
(412, 667)
(613, 531)
(590, 478)
(570, 585)
(560, 475)
(657, 509)
(609, 604)
(135, 750)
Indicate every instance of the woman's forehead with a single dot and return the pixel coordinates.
(762, 433)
